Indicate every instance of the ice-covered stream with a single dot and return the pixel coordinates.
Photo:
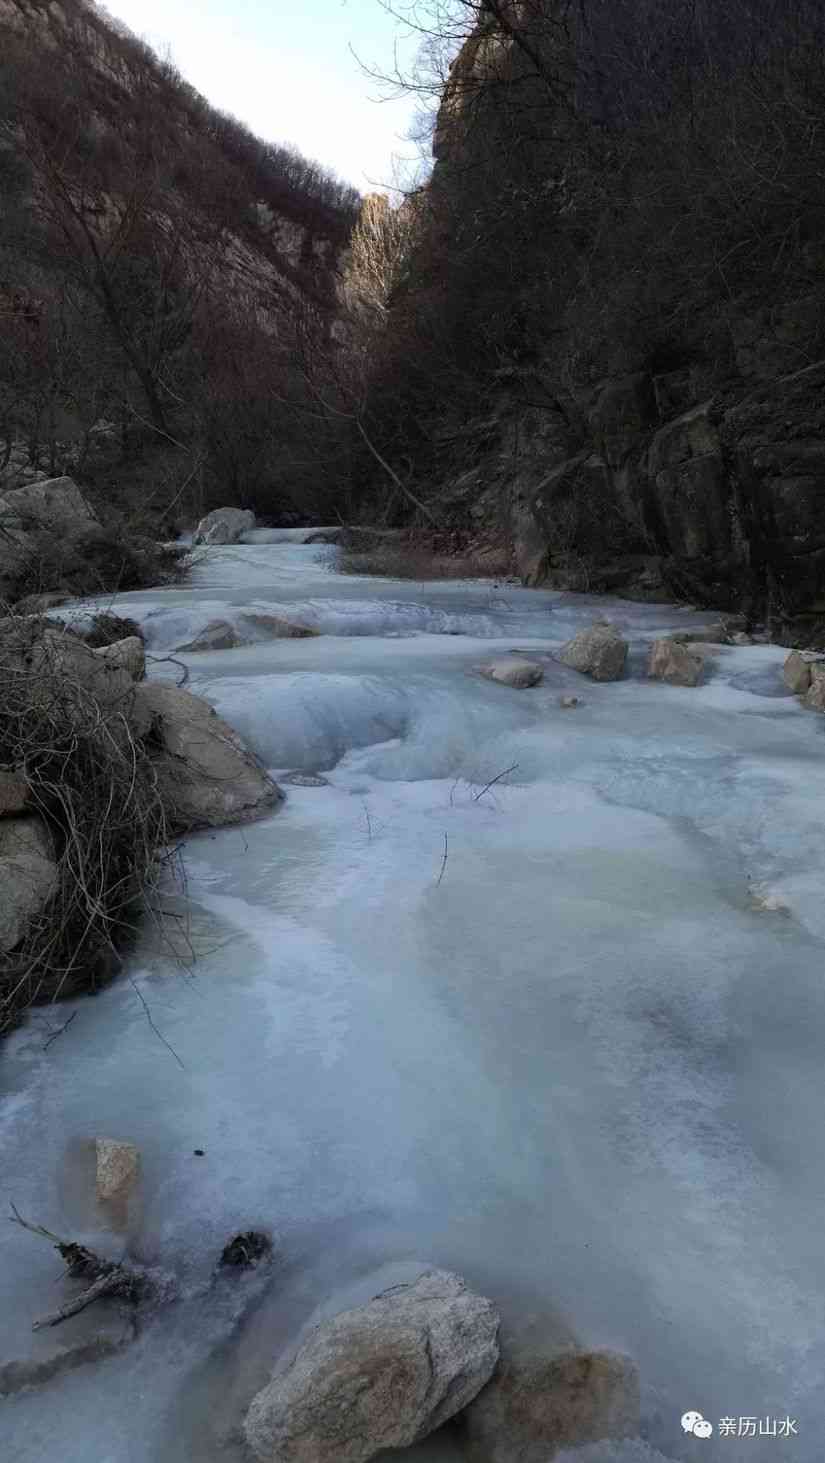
(582, 1061)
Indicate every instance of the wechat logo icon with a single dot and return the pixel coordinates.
(693, 1422)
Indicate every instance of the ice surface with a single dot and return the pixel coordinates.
(564, 1035)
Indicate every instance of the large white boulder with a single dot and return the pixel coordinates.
(599, 652)
(206, 775)
(28, 876)
(679, 665)
(536, 1405)
(380, 1376)
(513, 670)
(224, 526)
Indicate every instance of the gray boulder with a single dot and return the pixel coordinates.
(53, 670)
(276, 628)
(216, 635)
(679, 665)
(511, 670)
(381, 1376)
(599, 652)
(536, 1405)
(797, 670)
(128, 655)
(815, 697)
(224, 526)
(28, 876)
(206, 775)
(54, 507)
(56, 504)
(70, 673)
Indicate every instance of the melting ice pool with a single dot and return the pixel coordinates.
(581, 1061)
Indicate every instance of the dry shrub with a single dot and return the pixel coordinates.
(100, 561)
(93, 783)
(107, 629)
(421, 555)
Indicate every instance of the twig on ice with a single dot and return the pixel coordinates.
(477, 795)
(59, 1032)
(107, 1278)
(114, 1283)
(159, 1034)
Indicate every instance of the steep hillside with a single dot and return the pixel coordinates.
(606, 345)
(168, 282)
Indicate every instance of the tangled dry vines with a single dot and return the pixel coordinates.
(91, 780)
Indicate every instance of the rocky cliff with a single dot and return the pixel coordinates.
(165, 276)
(619, 297)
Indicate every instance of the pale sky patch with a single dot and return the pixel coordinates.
(285, 68)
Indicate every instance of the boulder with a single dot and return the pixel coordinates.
(599, 652)
(71, 673)
(206, 775)
(224, 526)
(797, 669)
(28, 876)
(56, 505)
(117, 1168)
(815, 698)
(677, 664)
(61, 675)
(14, 792)
(54, 509)
(274, 627)
(216, 635)
(128, 655)
(511, 670)
(536, 1405)
(568, 702)
(383, 1375)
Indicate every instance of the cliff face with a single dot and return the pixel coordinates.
(632, 259)
(162, 271)
(719, 498)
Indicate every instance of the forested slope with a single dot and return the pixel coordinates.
(168, 282)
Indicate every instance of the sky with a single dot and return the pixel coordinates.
(286, 69)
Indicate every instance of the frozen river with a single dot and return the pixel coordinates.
(582, 1061)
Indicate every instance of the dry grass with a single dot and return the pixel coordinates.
(419, 556)
(94, 785)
